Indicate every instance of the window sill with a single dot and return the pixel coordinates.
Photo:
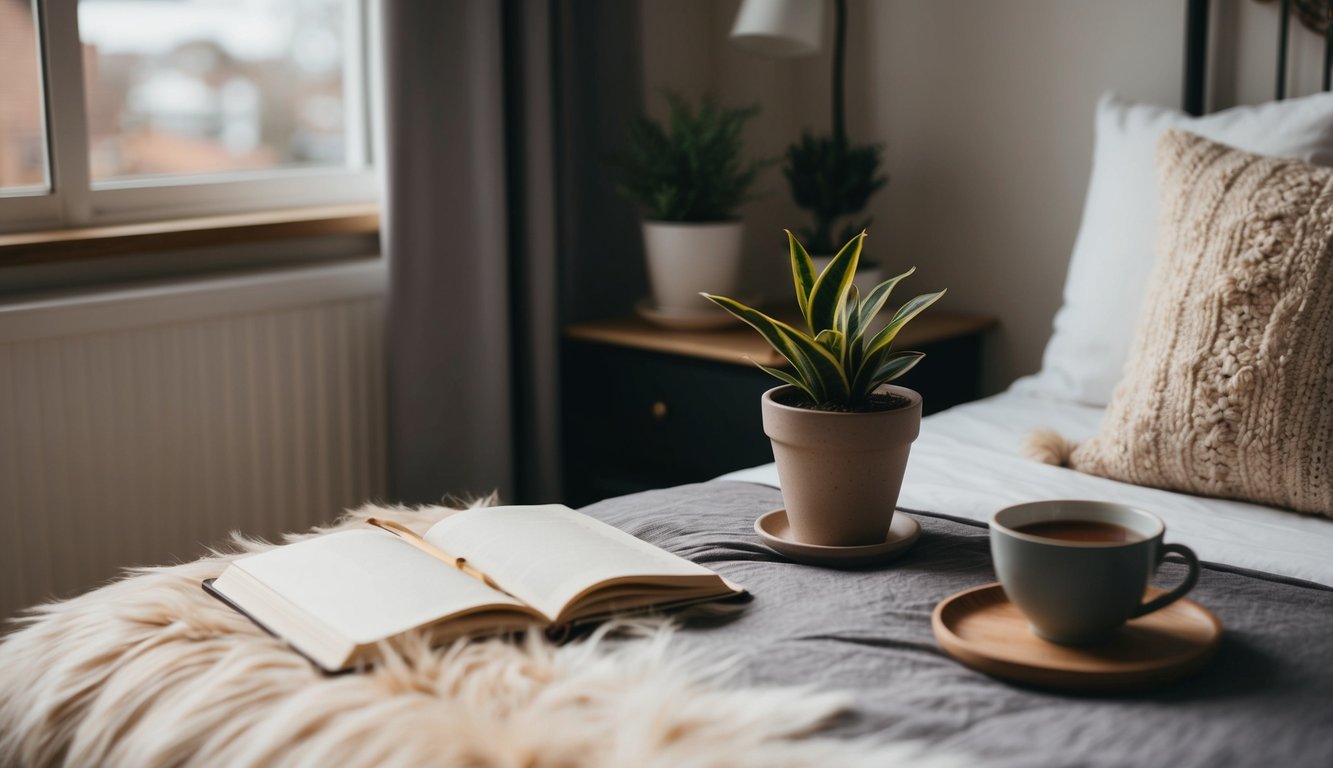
(236, 229)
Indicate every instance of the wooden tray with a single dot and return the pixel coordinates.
(982, 629)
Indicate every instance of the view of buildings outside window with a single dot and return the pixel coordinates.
(22, 140)
(206, 86)
(184, 87)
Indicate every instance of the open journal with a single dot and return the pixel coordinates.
(491, 569)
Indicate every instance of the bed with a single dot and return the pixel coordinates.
(1266, 699)
(970, 461)
(121, 676)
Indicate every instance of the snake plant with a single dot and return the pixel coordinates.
(836, 360)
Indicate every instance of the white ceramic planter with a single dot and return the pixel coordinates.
(686, 258)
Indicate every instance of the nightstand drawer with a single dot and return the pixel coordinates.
(642, 419)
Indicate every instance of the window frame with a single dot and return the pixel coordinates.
(74, 200)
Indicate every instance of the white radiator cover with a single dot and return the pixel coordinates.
(139, 427)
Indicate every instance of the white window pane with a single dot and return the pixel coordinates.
(213, 86)
(22, 133)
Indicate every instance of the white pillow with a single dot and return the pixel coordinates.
(1116, 245)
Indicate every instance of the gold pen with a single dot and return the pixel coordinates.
(416, 540)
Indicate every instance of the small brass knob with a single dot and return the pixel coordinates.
(658, 410)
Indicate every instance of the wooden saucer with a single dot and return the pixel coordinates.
(982, 629)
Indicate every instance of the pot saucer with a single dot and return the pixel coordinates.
(983, 630)
(683, 320)
(774, 530)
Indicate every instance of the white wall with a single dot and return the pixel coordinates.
(985, 111)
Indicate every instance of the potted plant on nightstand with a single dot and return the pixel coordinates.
(690, 178)
(832, 179)
(840, 432)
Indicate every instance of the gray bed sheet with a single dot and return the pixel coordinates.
(1266, 699)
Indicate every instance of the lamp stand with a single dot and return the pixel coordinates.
(839, 53)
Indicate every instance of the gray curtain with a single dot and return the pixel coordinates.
(499, 224)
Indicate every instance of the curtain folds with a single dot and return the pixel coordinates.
(497, 118)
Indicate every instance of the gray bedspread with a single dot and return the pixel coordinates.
(1265, 700)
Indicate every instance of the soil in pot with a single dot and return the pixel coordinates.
(878, 401)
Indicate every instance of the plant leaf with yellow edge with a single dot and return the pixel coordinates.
(830, 290)
(802, 271)
(812, 367)
(911, 309)
(897, 364)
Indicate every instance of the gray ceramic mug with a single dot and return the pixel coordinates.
(1081, 591)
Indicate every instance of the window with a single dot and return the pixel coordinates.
(23, 167)
(130, 110)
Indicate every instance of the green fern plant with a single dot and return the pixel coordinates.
(691, 168)
(835, 361)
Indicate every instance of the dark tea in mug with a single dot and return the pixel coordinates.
(1080, 530)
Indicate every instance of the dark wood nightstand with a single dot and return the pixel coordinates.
(647, 407)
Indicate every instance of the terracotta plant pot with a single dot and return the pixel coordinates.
(685, 259)
(841, 472)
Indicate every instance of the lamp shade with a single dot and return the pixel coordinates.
(782, 28)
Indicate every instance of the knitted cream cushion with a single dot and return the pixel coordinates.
(1229, 387)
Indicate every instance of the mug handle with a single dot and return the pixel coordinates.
(1162, 601)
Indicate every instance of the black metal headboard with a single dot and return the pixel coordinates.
(1316, 13)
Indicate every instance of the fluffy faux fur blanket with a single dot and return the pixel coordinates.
(151, 671)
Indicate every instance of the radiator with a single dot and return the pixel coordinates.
(140, 427)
